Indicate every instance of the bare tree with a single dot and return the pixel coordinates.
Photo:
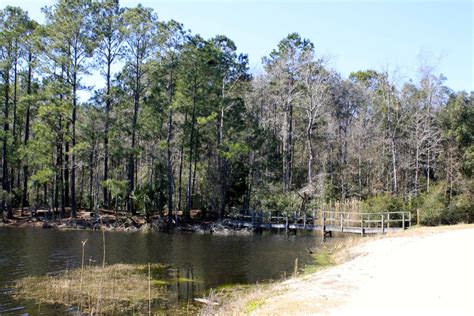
(316, 82)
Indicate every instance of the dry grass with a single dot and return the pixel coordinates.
(238, 299)
(343, 250)
(428, 230)
(104, 290)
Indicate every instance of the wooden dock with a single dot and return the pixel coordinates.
(326, 222)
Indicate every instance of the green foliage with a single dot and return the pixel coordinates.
(235, 150)
(461, 207)
(437, 208)
(143, 199)
(383, 203)
(271, 197)
(117, 188)
(432, 205)
(468, 161)
(185, 118)
(42, 176)
(207, 119)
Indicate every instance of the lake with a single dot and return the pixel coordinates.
(210, 260)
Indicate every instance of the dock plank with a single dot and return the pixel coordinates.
(331, 222)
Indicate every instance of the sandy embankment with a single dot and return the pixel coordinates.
(424, 272)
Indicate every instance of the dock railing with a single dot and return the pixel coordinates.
(351, 222)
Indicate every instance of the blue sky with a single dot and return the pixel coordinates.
(354, 35)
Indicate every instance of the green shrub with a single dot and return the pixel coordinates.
(271, 197)
(432, 205)
(437, 209)
(143, 200)
(384, 203)
(461, 206)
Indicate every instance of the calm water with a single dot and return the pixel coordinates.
(212, 260)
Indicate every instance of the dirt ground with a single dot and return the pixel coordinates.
(424, 271)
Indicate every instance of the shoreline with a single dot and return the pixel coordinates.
(116, 222)
(365, 275)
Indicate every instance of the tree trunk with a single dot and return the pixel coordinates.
(131, 162)
(344, 187)
(191, 145)
(91, 180)
(73, 156)
(220, 159)
(106, 133)
(394, 164)
(24, 198)
(285, 155)
(170, 162)
(248, 195)
(15, 98)
(81, 189)
(60, 176)
(67, 177)
(359, 164)
(417, 168)
(55, 187)
(309, 142)
(193, 185)
(180, 176)
(290, 149)
(6, 207)
(287, 147)
(428, 159)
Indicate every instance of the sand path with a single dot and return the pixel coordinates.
(431, 274)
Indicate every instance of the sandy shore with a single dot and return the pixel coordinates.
(424, 272)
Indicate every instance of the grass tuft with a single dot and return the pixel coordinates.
(252, 305)
(111, 289)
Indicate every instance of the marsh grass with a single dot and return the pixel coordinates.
(110, 289)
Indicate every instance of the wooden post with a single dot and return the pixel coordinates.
(383, 225)
(418, 216)
(323, 230)
(286, 222)
(342, 222)
(409, 219)
(403, 220)
(388, 220)
(314, 218)
(304, 220)
(362, 224)
(253, 218)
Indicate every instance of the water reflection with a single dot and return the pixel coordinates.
(209, 260)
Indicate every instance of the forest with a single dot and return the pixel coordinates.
(179, 123)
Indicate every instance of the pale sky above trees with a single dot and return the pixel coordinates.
(355, 35)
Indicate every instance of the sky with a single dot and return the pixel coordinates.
(353, 35)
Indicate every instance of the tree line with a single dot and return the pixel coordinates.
(182, 124)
